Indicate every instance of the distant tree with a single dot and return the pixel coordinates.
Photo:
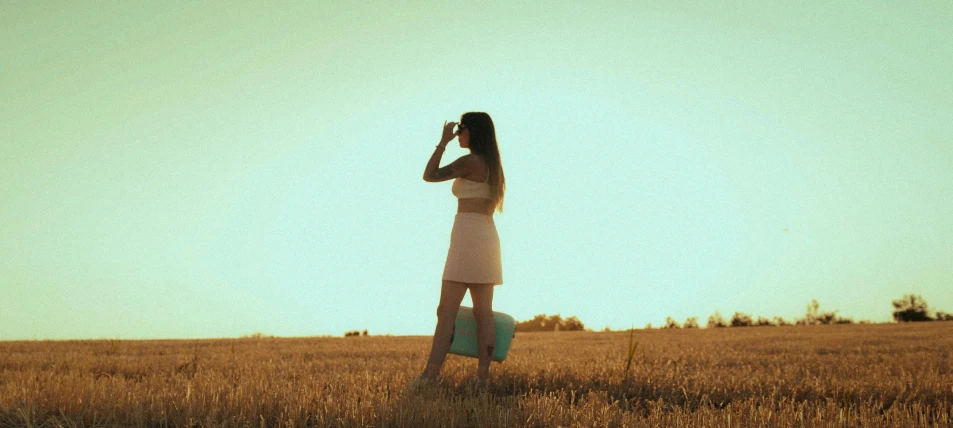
(648, 326)
(540, 322)
(815, 316)
(545, 322)
(364, 333)
(740, 320)
(690, 322)
(352, 333)
(762, 321)
(671, 323)
(826, 318)
(811, 316)
(572, 324)
(606, 330)
(716, 320)
(255, 335)
(780, 321)
(911, 308)
(943, 316)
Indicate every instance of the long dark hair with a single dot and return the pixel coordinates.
(483, 143)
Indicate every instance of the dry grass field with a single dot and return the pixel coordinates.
(833, 375)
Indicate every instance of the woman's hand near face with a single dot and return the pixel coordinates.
(447, 132)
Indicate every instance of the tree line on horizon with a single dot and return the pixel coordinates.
(909, 308)
(556, 322)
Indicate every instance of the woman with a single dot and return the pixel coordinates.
(473, 261)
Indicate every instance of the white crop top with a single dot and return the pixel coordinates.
(467, 189)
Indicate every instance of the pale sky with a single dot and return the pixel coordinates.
(215, 169)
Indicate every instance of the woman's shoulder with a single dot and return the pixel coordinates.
(478, 168)
(477, 160)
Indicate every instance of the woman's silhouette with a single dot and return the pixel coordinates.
(473, 261)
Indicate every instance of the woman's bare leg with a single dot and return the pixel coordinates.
(482, 295)
(451, 294)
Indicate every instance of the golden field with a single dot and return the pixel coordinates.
(826, 375)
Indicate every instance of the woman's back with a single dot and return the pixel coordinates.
(473, 186)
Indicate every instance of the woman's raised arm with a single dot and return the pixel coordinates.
(430, 171)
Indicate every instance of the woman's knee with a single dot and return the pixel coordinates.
(483, 313)
(446, 313)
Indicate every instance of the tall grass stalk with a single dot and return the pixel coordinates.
(631, 352)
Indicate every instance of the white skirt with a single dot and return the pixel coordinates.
(474, 255)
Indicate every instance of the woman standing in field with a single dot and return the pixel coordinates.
(473, 261)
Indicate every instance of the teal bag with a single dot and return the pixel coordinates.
(464, 341)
